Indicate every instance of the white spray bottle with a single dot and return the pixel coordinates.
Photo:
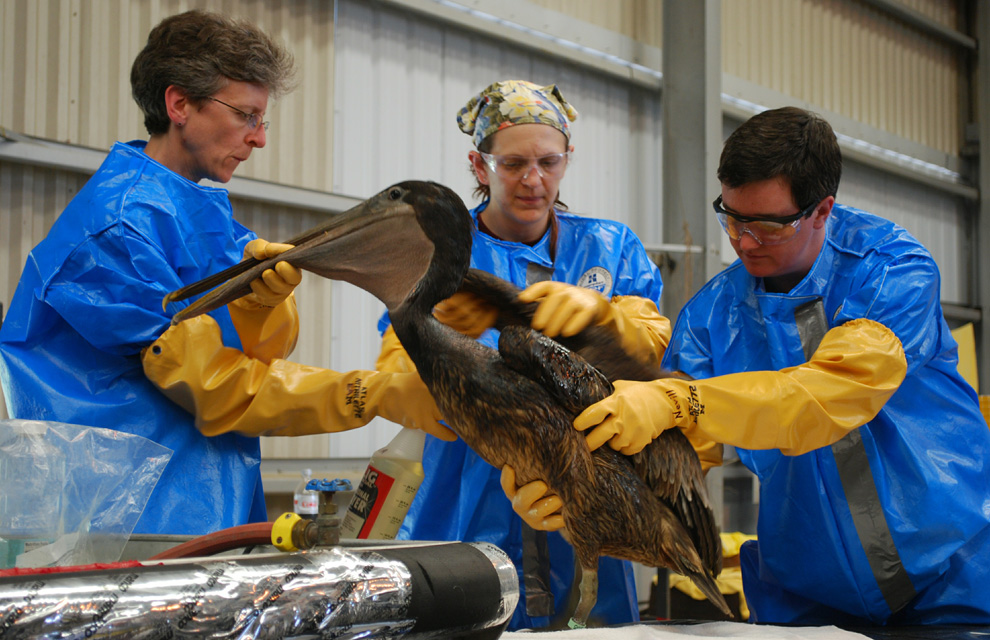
(387, 489)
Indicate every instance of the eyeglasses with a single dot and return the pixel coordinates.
(764, 229)
(519, 167)
(251, 120)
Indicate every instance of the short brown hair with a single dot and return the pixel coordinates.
(790, 143)
(201, 52)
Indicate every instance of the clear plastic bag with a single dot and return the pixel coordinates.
(71, 494)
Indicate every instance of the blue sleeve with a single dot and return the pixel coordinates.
(688, 351)
(110, 290)
(903, 295)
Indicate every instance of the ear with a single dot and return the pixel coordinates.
(823, 211)
(177, 104)
(479, 165)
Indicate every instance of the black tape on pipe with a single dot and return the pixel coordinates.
(453, 586)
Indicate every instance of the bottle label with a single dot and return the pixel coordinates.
(379, 505)
(307, 504)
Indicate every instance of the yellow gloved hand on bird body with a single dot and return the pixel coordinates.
(227, 391)
(854, 371)
(466, 313)
(565, 309)
(463, 312)
(274, 285)
(532, 503)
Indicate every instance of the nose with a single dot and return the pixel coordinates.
(256, 137)
(533, 170)
(748, 240)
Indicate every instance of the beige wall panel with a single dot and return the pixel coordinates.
(944, 12)
(65, 75)
(637, 19)
(849, 58)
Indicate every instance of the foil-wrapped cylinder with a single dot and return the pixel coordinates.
(446, 590)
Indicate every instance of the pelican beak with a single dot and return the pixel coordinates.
(377, 245)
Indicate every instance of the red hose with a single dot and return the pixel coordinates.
(100, 566)
(210, 544)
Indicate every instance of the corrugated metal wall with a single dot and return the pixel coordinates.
(843, 55)
(638, 19)
(65, 67)
(30, 200)
(377, 100)
(850, 59)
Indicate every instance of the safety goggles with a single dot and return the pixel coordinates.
(519, 167)
(764, 229)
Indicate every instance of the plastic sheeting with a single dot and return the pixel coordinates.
(70, 494)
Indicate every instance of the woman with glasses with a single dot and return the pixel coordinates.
(521, 133)
(823, 356)
(73, 345)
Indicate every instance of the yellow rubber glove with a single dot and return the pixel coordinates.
(274, 285)
(565, 309)
(855, 370)
(709, 452)
(266, 333)
(393, 356)
(463, 312)
(227, 391)
(466, 313)
(531, 501)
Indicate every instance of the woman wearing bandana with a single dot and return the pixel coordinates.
(582, 271)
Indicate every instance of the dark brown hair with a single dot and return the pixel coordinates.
(790, 143)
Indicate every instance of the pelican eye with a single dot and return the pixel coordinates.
(395, 193)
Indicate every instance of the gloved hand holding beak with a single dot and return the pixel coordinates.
(274, 285)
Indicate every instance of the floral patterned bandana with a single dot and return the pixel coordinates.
(510, 102)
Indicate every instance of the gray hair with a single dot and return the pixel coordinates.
(201, 53)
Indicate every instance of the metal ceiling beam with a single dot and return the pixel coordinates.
(21, 149)
(920, 21)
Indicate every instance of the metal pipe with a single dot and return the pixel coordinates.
(446, 590)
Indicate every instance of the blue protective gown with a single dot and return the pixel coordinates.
(90, 299)
(461, 497)
(891, 525)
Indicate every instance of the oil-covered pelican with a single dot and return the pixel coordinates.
(410, 247)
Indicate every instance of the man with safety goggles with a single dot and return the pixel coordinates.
(823, 356)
